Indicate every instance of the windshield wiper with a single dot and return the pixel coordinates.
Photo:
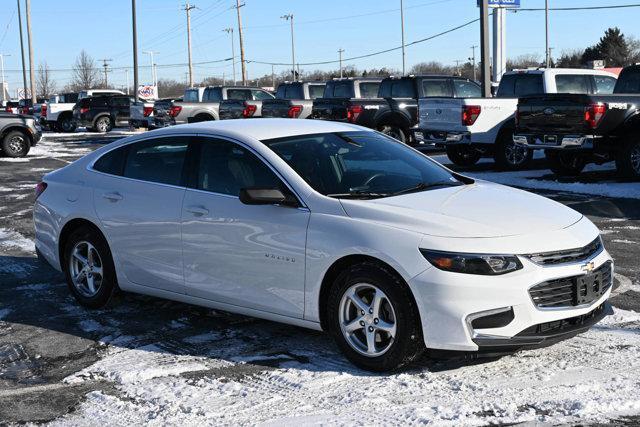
(358, 195)
(426, 186)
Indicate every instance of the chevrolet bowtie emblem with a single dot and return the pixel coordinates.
(589, 267)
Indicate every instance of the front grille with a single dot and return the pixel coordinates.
(567, 256)
(573, 291)
(563, 325)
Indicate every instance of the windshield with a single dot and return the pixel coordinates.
(359, 164)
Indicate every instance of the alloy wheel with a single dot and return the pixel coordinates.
(86, 268)
(367, 320)
(16, 144)
(514, 154)
(103, 125)
(635, 158)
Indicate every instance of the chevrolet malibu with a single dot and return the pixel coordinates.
(328, 226)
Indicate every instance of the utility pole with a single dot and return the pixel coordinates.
(187, 8)
(484, 48)
(24, 68)
(154, 77)
(546, 19)
(135, 50)
(233, 53)
(289, 17)
(242, 61)
(402, 28)
(458, 61)
(473, 61)
(105, 65)
(32, 75)
(2, 55)
(273, 77)
(186, 77)
(126, 72)
(340, 52)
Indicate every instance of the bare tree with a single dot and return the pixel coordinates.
(45, 85)
(85, 72)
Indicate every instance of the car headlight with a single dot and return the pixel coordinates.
(483, 264)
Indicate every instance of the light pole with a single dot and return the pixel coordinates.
(546, 19)
(473, 61)
(402, 28)
(340, 52)
(2, 55)
(289, 18)
(233, 53)
(135, 49)
(154, 78)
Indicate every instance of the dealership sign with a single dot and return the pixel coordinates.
(502, 3)
(147, 92)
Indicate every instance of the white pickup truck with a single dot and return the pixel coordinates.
(471, 128)
(58, 114)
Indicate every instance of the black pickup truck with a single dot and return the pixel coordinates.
(293, 100)
(575, 130)
(395, 109)
(343, 99)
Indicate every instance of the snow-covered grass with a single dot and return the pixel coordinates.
(591, 378)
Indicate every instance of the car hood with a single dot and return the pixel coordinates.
(477, 210)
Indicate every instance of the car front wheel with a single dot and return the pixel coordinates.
(463, 155)
(15, 144)
(373, 318)
(103, 124)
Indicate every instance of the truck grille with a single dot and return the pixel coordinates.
(573, 291)
(567, 256)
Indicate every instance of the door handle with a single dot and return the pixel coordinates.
(113, 197)
(197, 210)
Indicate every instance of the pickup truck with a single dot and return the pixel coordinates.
(394, 110)
(59, 108)
(577, 129)
(471, 127)
(202, 104)
(293, 100)
(103, 113)
(243, 104)
(18, 133)
(141, 114)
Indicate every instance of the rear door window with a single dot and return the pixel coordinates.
(112, 162)
(573, 83)
(369, 89)
(629, 81)
(239, 94)
(293, 91)
(212, 94)
(402, 88)
(316, 91)
(261, 95)
(158, 160)
(343, 90)
(436, 87)
(604, 84)
(191, 95)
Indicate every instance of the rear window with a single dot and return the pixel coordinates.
(212, 94)
(517, 85)
(604, 84)
(369, 89)
(573, 83)
(261, 95)
(629, 81)
(342, 89)
(402, 89)
(239, 94)
(436, 87)
(191, 95)
(316, 91)
(466, 89)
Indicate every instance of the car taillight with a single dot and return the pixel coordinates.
(43, 110)
(294, 111)
(40, 187)
(470, 114)
(593, 114)
(174, 110)
(84, 110)
(8, 109)
(249, 110)
(146, 111)
(25, 110)
(353, 112)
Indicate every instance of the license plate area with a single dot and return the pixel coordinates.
(549, 140)
(589, 287)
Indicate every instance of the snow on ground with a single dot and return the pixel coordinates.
(12, 240)
(532, 179)
(590, 378)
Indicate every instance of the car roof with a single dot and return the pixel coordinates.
(561, 71)
(264, 128)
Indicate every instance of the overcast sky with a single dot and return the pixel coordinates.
(62, 28)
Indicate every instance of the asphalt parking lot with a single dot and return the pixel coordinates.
(150, 360)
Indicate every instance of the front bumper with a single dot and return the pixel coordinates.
(555, 142)
(448, 301)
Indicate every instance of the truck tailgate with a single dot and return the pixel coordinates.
(553, 113)
(275, 108)
(440, 114)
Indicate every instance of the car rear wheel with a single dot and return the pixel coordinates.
(510, 156)
(89, 268)
(628, 160)
(373, 318)
(103, 124)
(67, 125)
(15, 144)
(463, 155)
(565, 163)
(395, 132)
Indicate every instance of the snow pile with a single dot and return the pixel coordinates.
(12, 240)
(591, 378)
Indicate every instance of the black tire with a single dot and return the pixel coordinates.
(408, 344)
(508, 155)
(202, 118)
(108, 284)
(66, 124)
(103, 124)
(395, 132)
(16, 144)
(565, 163)
(463, 155)
(628, 159)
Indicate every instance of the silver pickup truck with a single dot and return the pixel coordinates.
(293, 100)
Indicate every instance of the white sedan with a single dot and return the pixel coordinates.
(327, 226)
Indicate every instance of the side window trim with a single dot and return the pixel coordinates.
(193, 176)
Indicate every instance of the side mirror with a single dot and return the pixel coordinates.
(266, 196)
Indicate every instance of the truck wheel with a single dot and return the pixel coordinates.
(103, 124)
(15, 144)
(463, 155)
(66, 124)
(395, 132)
(628, 160)
(565, 164)
(508, 155)
(201, 118)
